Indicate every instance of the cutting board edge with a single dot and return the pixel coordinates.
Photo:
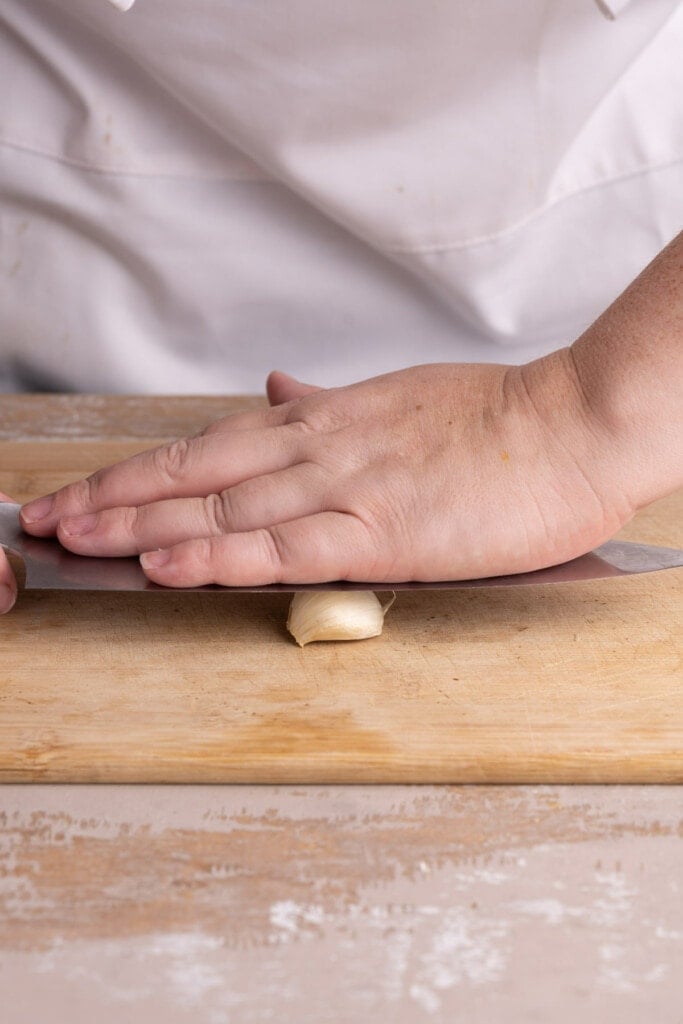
(564, 770)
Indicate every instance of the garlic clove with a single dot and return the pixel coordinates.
(335, 615)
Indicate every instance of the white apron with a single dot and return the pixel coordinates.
(197, 191)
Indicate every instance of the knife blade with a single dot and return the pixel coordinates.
(49, 566)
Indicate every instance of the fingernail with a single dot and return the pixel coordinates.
(36, 510)
(7, 597)
(77, 526)
(155, 559)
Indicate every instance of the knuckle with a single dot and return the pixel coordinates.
(197, 554)
(172, 460)
(312, 415)
(193, 562)
(86, 491)
(204, 554)
(217, 510)
(275, 551)
(132, 520)
(305, 426)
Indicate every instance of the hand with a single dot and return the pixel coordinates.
(8, 584)
(436, 472)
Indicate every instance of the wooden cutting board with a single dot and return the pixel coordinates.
(575, 683)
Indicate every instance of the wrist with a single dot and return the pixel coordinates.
(629, 368)
(642, 425)
(576, 435)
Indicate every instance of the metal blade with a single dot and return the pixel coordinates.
(49, 566)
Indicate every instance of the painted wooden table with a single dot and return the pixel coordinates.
(340, 903)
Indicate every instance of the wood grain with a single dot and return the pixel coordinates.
(100, 417)
(578, 683)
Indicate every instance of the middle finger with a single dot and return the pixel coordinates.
(276, 498)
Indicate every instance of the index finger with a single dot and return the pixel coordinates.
(8, 584)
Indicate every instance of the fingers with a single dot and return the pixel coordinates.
(226, 453)
(8, 584)
(261, 502)
(281, 388)
(196, 467)
(315, 549)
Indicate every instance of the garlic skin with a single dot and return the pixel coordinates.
(335, 615)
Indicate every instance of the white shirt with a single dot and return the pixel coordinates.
(197, 191)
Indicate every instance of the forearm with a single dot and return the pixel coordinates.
(629, 365)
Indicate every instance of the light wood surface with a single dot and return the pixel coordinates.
(576, 683)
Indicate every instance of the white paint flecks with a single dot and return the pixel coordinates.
(615, 904)
(463, 948)
(552, 911)
(612, 973)
(425, 997)
(294, 919)
(657, 973)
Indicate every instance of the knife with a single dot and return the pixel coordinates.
(49, 566)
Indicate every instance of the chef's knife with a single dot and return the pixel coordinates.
(49, 566)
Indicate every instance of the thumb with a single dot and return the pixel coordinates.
(280, 388)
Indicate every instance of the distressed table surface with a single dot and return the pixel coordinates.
(335, 904)
(572, 683)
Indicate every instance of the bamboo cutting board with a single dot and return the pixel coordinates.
(571, 683)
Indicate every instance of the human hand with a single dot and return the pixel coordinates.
(436, 472)
(8, 584)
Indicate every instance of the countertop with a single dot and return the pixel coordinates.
(233, 904)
